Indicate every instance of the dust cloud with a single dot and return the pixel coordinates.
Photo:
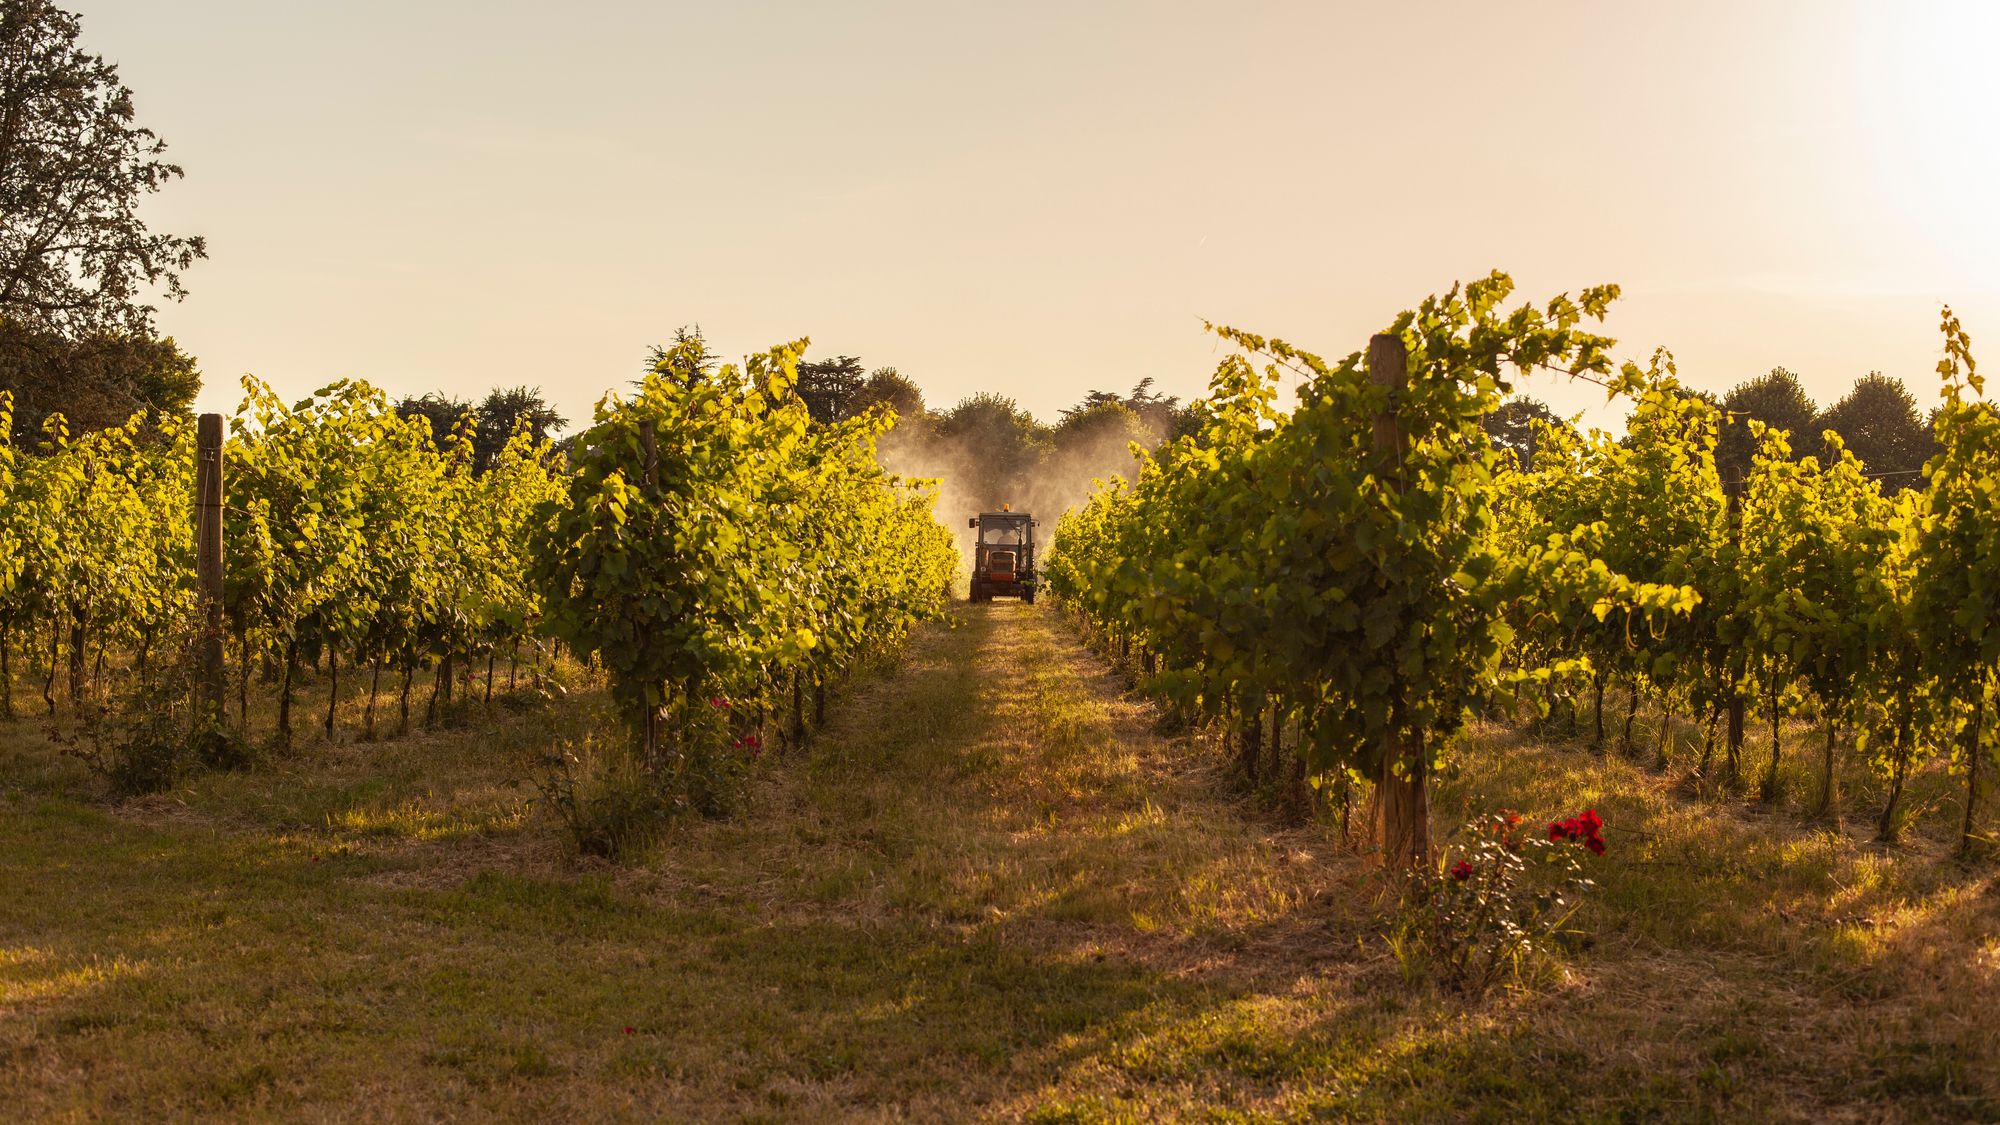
(1044, 475)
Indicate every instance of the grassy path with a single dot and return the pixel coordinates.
(974, 893)
(989, 889)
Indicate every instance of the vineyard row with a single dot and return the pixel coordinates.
(702, 542)
(1371, 566)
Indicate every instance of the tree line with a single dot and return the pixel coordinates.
(1877, 421)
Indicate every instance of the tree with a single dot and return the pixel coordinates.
(828, 387)
(1097, 443)
(1163, 415)
(493, 419)
(997, 441)
(95, 383)
(1160, 417)
(1091, 401)
(1777, 400)
(1878, 421)
(686, 361)
(504, 409)
(1511, 427)
(1083, 424)
(888, 387)
(75, 258)
(442, 411)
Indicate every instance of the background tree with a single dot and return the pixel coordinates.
(75, 258)
(493, 419)
(1879, 423)
(442, 411)
(95, 383)
(888, 387)
(76, 262)
(1779, 401)
(1159, 417)
(1511, 426)
(829, 386)
(1089, 445)
(1163, 415)
(997, 443)
(687, 360)
(504, 409)
(1087, 425)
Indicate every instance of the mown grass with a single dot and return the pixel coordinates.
(990, 889)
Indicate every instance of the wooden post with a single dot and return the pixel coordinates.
(649, 443)
(1277, 738)
(1402, 791)
(1736, 667)
(1973, 749)
(1252, 739)
(650, 727)
(210, 685)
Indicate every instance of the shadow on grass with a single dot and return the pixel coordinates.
(989, 888)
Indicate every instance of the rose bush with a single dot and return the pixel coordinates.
(1501, 905)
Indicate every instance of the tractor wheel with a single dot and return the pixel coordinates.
(978, 595)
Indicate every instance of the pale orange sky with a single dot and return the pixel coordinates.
(1043, 198)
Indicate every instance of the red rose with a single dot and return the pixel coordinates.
(1595, 845)
(1557, 831)
(1591, 821)
(1462, 872)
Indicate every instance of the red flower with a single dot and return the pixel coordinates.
(719, 702)
(629, 1031)
(1462, 871)
(1583, 828)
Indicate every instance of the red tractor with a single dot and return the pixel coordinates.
(1003, 556)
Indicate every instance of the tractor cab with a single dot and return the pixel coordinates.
(1003, 555)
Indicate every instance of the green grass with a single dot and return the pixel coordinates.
(990, 889)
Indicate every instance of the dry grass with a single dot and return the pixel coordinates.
(989, 889)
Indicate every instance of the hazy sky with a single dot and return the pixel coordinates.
(1043, 198)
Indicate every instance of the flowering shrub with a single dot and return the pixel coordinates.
(1500, 905)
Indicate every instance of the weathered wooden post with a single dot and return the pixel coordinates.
(1402, 787)
(649, 448)
(649, 445)
(210, 684)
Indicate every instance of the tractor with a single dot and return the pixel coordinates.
(1003, 555)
